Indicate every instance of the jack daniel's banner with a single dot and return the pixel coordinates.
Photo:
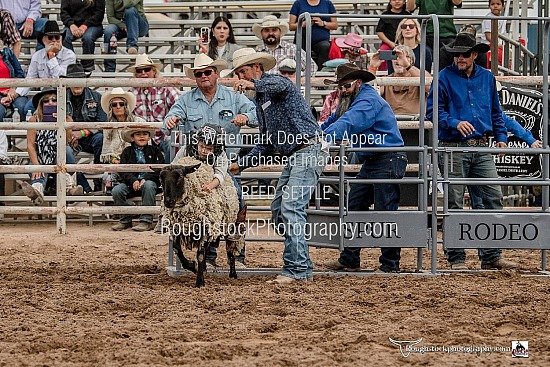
(524, 106)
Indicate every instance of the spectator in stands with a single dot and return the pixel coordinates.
(49, 62)
(447, 30)
(346, 49)
(84, 105)
(126, 19)
(287, 68)
(281, 107)
(83, 20)
(153, 103)
(465, 124)
(446, 58)
(403, 100)
(408, 34)
(9, 33)
(496, 7)
(321, 26)
(132, 184)
(362, 112)
(27, 16)
(271, 32)
(215, 104)
(386, 28)
(222, 44)
(10, 68)
(42, 146)
(119, 106)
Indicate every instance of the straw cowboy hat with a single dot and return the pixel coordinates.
(350, 71)
(76, 71)
(127, 134)
(352, 40)
(270, 21)
(118, 93)
(203, 61)
(51, 28)
(247, 56)
(143, 61)
(465, 43)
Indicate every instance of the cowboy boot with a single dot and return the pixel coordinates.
(35, 192)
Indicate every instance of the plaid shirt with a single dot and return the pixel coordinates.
(9, 34)
(283, 51)
(153, 103)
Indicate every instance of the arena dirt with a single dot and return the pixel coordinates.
(95, 297)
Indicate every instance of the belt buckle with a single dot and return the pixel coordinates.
(472, 142)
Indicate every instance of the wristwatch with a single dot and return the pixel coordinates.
(324, 24)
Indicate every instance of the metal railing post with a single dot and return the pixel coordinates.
(61, 184)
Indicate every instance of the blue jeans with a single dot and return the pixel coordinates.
(88, 42)
(294, 189)
(136, 27)
(384, 196)
(69, 157)
(38, 26)
(90, 144)
(472, 165)
(19, 103)
(28, 107)
(122, 192)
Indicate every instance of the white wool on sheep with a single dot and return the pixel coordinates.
(216, 210)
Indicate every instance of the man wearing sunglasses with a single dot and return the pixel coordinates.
(366, 120)
(469, 111)
(49, 62)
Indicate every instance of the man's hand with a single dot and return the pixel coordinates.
(536, 144)
(234, 168)
(26, 29)
(75, 135)
(77, 32)
(375, 61)
(240, 120)
(5, 101)
(465, 128)
(172, 122)
(242, 85)
(136, 186)
(55, 47)
(402, 58)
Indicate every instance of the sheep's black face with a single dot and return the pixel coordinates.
(172, 179)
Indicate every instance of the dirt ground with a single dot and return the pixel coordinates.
(95, 297)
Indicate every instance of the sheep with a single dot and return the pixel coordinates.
(198, 219)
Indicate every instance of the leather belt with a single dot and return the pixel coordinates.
(299, 147)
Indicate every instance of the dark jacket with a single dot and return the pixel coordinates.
(91, 107)
(76, 12)
(12, 63)
(153, 155)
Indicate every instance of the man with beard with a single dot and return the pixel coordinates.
(366, 118)
(270, 31)
(469, 110)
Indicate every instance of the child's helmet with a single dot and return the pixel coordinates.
(209, 134)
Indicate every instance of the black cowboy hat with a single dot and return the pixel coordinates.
(76, 71)
(39, 95)
(50, 29)
(349, 71)
(464, 43)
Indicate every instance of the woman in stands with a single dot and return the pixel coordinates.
(408, 34)
(83, 20)
(221, 44)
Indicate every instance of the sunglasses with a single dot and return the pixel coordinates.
(48, 100)
(347, 85)
(119, 104)
(410, 26)
(143, 70)
(198, 74)
(464, 54)
(51, 38)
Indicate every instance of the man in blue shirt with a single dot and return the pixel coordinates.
(286, 127)
(469, 110)
(367, 120)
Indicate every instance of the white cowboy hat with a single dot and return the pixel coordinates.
(143, 61)
(118, 93)
(246, 56)
(270, 21)
(203, 61)
(127, 134)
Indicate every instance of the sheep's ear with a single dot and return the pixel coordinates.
(191, 169)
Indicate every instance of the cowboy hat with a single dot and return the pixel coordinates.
(350, 71)
(127, 134)
(143, 61)
(352, 40)
(465, 43)
(270, 21)
(118, 93)
(51, 28)
(76, 71)
(247, 56)
(203, 61)
(38, 96)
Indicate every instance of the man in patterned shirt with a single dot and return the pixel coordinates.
(153, 103)
(9, 33)
(270, 31)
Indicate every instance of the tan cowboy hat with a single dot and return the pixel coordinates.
(118, 93)
(142, 61)
(270, 21)
(203, 61)
(127, 134)
(246, 56)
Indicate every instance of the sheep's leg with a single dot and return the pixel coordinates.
(186, 264)
(231, 259)
(201, 258)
